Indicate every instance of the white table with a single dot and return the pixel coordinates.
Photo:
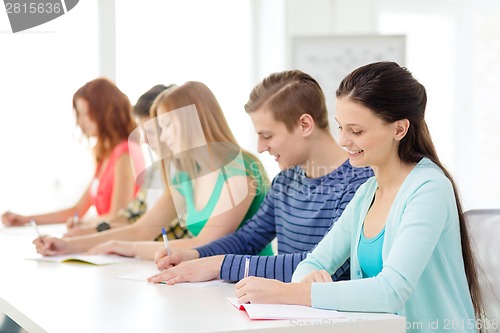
(69, 297)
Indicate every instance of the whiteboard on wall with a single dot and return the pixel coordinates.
(329, 59)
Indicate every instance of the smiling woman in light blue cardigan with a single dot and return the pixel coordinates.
(423, 274)
(404, 230)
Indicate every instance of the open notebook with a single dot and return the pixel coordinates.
(93, 259)
(283, 311)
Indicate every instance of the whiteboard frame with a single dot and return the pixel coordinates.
(330, 58)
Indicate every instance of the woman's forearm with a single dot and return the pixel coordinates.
(146, 249)
(127, 233)
(298, 293)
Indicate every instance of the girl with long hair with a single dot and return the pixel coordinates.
(404, 230)
(211, 182)
(103, 113)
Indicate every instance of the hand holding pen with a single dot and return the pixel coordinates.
(48, 246)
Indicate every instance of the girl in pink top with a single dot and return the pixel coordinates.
(105, 113)
(102, 188)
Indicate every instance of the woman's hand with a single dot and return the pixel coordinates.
(317, 276)
(10, 219)
(80, 229)
(266, 291)
(122, 248)
(164, 261)
(259, 290)
(51, 246)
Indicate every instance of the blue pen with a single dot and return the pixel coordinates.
(247, 266)
(165, 240)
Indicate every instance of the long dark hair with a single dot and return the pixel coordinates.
(392, 93)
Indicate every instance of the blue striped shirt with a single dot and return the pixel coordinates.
(299, 211)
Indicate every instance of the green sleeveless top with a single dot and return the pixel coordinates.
(196, 219)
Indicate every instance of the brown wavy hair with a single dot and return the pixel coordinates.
(111, 110)
(393, 94)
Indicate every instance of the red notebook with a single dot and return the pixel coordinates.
(283, 311)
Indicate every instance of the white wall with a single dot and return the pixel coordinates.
(44, 165)
(453, 48)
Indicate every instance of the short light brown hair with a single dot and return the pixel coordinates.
(288, 95)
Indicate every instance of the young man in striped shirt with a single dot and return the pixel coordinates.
(289, 113)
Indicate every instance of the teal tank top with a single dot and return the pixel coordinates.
(370, 253)
(196, 219)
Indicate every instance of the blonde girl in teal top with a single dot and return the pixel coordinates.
(212, 183)
(427, 272)
(196, 219)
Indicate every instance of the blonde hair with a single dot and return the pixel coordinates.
(213, 124)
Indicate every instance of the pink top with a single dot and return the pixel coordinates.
(101, 189)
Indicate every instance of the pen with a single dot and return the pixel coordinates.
(75, 220)
(33, 224)
(165, 240)
(247, 266)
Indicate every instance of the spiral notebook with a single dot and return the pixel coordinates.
(283, 311)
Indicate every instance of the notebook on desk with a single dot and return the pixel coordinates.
(282, 311)
(93, 259)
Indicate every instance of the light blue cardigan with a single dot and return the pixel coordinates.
(423, 275)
